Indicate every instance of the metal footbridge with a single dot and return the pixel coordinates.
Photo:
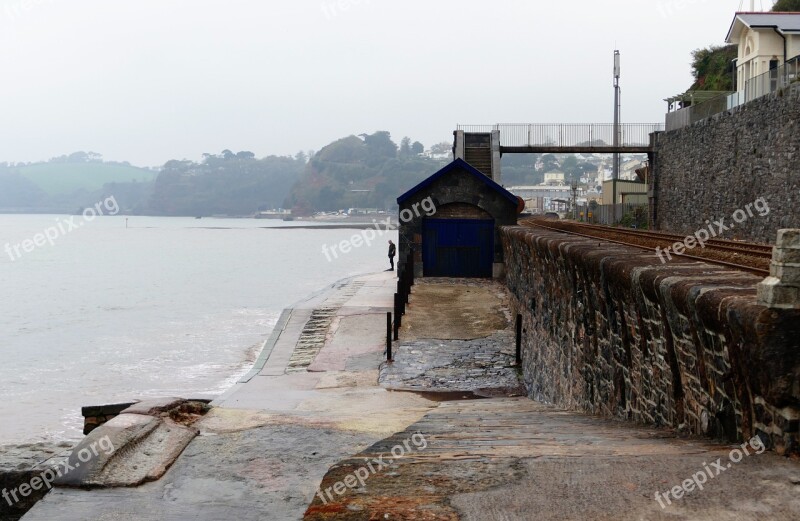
(569, 138)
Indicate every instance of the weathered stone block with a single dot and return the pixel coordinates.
(786, 255)
(773, 294)
(788, 274)
(154, 406)
(788, 239)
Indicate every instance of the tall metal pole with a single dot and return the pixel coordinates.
(574, 187)
(615, 166)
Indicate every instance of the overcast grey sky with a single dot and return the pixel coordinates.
(147, 81)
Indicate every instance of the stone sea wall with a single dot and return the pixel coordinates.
(611, 331)
(711, 169)
(95, 416)
(20, 466)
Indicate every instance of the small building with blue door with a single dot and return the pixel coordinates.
(451, 222)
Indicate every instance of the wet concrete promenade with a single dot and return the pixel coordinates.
(322, 428)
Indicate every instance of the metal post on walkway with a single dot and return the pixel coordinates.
(519, 339)
(389, 336)
(411, 267)
(406, 286)
(396, 317)
(401, 297)
(398, 310)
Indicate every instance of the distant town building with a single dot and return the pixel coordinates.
(543, 197)
(627, 170)
(628, 192)
(554, 178)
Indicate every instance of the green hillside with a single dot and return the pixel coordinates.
(66, 178)
(359, 172)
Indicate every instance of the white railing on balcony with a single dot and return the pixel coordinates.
(779, 78)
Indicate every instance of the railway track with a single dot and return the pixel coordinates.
(761, 250)
(751, 257)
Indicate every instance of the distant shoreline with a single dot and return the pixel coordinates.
(351, 226)
(338, 219)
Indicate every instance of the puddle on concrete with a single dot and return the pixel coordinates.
(445, 396)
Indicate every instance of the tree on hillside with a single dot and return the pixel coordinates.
(585, 168)
(79, 157)
(380, 147)
(228, 183)
(569, 163)
(405, 148)
(713, 67)
(345, 150)
(787, 5)
(550, 162)
(441, 148)
(520, 169)
(417, 148)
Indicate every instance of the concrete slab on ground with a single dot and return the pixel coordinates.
(457, 309)
(264, 473)
(456, 337)
(513, 459)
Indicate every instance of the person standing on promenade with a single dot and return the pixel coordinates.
(392, 253)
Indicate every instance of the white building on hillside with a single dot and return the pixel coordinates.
(765, 40)
(554, 178)
(627, 170)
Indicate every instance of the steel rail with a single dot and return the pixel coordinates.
(760, 250)
(757, 271)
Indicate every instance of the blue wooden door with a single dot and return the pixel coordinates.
(458, 247)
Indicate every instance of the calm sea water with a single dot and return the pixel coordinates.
(164, 307)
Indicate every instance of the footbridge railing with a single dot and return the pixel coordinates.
(569, 136)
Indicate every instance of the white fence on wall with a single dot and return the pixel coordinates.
(787, 75)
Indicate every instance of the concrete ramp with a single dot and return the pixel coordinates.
(137, 446)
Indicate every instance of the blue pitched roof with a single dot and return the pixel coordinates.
(466, 167)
